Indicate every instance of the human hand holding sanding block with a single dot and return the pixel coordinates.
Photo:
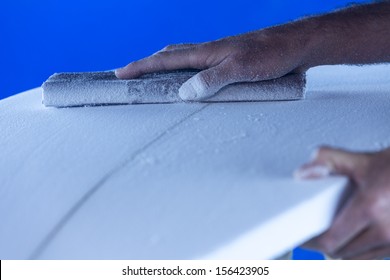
(104, 88)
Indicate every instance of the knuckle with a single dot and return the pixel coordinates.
(195, 60)
(205, 79)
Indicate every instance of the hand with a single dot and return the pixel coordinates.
(361, 230)
(355, 35)
(261, 55)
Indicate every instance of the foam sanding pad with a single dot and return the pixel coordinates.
(103, 88)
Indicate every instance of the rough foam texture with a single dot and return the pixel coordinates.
(99, 88)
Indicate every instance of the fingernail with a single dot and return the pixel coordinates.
(187, 92)
(311, 172)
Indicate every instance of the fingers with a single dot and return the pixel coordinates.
(180, 58)
(341, 161)
(361, 230)
(347, 225)
(312, 171)
(161, 61)
(208, 82)
(328, 160)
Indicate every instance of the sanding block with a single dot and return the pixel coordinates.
(104, 88)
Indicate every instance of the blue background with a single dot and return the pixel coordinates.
(38, 38)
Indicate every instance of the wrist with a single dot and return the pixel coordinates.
(311, 41)
(298, 40)
(327, 41)
(318, 38)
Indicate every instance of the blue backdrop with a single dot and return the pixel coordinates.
(38, 38)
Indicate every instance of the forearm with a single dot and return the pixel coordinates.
(356, 35)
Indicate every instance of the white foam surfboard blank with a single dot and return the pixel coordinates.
(72, 178)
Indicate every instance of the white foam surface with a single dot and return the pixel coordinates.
(180, 181)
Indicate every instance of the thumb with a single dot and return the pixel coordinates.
(206, 83)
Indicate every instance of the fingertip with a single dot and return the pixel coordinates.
(187, 92)
(324, 156)
(120, 73)
(130, 71)
(312, 171)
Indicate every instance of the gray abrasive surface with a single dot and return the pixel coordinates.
(102, 88)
